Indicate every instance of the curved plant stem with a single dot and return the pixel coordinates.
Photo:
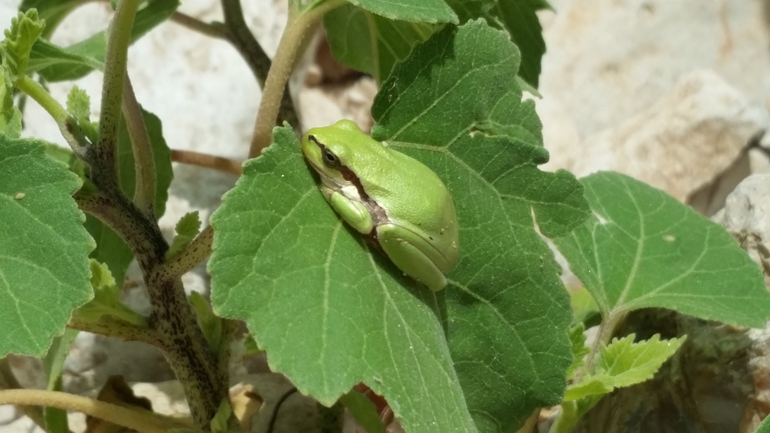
(207, 161)
(243, 40)
(191, 256)
(8, 381)
(299, 29)
(67, 125)
(142, 421)
(144, 163)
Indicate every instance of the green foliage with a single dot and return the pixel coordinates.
(426, 11)
(69, 63)
(642, 248)
(41, 234)
(52, 11)
(623, 363)
(765, 426)
(10, 116)
(372, 40)
(15, 48)
(578, 347)
(364, 321)
(186, 230)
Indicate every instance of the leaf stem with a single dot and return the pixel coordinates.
(67, 125)
(606, 330)
(144, 163)
(299, 28)
(207, 161)
(117, 329)
(191, 256)
(135, 419)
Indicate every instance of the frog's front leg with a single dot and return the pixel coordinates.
(353, 212)
(413, 255)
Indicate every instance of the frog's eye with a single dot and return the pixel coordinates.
(330, 159)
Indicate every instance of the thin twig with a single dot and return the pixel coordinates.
(197, 25)
(207, 161)
(118, 329)
(243, 40)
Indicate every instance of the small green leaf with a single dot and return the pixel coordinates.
(364, 411)
(15, 49)
(426, 11)
(579, 350)
(584, 308)
(10, 116)
(210, 324)
(41, 235)
(591, 385)
(186, 230)
(79, 107)
(629, 363)
(624, 363)
(642, 248)
(106, 301)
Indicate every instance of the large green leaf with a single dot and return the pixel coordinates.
(456, 105)
(426, 11)
(58, 64)
(44, 271)
(370, 43)
(331, 313)
(642, 248)
(519, 19)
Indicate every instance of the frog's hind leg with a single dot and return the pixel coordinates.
(412, 255)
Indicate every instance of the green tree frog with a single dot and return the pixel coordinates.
(394, 200)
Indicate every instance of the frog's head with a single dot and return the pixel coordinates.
(332, 151)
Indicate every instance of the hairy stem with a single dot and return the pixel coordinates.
(140, 420)
(243, 40)
(172, 318)
(191, 256)
(117, 329)
(103, 172)
(299, 28)
(207, 161)
(144, 163)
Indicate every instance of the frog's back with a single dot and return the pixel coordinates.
(418, 201)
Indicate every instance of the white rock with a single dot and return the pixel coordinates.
(682, 142)
(608, 60)
(746, 216)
